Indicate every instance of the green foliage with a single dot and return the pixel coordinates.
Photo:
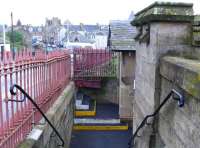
(17, 39)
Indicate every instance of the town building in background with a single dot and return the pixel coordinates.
(4, 42)
(54, 34)
(90, 36)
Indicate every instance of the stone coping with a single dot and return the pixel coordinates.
(197, 18)
(184, 73)
(164, 11)
(196, 31)
(167, 4)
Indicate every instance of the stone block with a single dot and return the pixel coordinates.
(169, 136)
(164, 11)
(196, 31)
(183, 123)
(188, 71)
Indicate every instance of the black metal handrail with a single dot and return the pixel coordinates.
(181, 102)
(38, 108)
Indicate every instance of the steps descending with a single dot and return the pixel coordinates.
(101, 127)
(98, 117)
(85, 112)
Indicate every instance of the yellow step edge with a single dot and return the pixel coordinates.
(100, 127)
(86, 113)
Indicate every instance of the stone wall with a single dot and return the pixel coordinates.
(108, 93)
(126, 89)
(179, 127)
(61, 116)
(165, 34)
(147, 60)
(128, 67)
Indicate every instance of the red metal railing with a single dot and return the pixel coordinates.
(42, 76)
(91, 65)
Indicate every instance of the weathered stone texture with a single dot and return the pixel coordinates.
(164, 11)
(145, 132)
(165, 38)
(196, 31)
(169, 31)
(61, 116)
(127, 62)
(179, 127)
(126, 89)
(125, 102)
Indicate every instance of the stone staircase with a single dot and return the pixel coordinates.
(96, 117)
(98, 125)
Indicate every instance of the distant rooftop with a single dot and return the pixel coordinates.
(122, 35)
(88, 28)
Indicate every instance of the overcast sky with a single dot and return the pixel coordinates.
(85, 11)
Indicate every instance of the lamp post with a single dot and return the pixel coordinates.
(4, 35)
(4, 42)
(12, 36)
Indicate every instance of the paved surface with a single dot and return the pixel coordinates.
(100, 139)
(107, 111)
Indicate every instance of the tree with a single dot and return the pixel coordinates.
(17, 39)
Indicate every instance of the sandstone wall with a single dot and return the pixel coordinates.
(126, 89)
(165, 38)
(61, 116)
(179, 127)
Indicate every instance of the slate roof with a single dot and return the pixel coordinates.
(122, 35)
(88, 28)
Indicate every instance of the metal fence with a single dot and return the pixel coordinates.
(41, 75)
(91, 65)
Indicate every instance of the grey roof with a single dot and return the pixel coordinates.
(84, 38)
(122, 35)
(88, 28)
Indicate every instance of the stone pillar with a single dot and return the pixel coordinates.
(163, 28)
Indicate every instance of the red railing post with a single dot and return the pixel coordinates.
(1, 109)
(42, 77)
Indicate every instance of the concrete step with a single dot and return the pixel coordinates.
(100, 139)
(83, 104)
(96, 121)
(101, 127)
(82, 107)
(79, 98)
(87, 112)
